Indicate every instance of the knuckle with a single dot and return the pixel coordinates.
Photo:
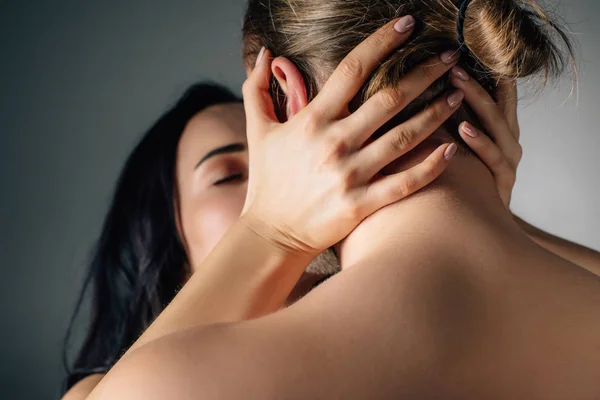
(437, 112)
(511, 176)
(334, 149)
(349, 178)
(429, 72)
(391, 99)
(246, 87)
(516, 129)
(382, 40)
(354, 213)
(400, 140)
(519, 153)
(486, 145)
(351, 67)
(312, 122)
(354, 210)
(431, 171)
(498, 162)
(406, 187)
(506, 184)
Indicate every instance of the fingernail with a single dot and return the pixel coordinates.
(448, 57)
(450, 151)
(460, 73)
(469, 131)
(455, 98)
(404, 24)
(260, 55)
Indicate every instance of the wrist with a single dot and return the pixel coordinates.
(245, 276)
(276, 239)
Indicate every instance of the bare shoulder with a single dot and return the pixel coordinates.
(83, 388)
(414, 331)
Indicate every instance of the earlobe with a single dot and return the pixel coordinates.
(292, 84)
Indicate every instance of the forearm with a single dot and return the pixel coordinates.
(577, 254)
(244, 277)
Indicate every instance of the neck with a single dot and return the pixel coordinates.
(462, 207)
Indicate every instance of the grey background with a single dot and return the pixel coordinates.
(80, 81)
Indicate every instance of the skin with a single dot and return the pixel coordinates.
(198, 194)
(211, 195)
(473, 316)
(271, 268)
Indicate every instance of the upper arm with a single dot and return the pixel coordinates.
(338, 344)
(198, 363)
(83, 388)
(369, 332)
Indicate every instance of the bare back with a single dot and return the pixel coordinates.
(526, 325)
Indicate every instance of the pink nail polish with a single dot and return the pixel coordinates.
(450, 151)
(260, 55)
(460, 73)
(455, 98)
(448, 57)
(469, 131)
(404, 24)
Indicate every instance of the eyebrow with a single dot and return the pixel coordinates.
(230, 148)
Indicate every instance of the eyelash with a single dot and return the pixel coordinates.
(228, 179)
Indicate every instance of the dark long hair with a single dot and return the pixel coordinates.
(139, 262)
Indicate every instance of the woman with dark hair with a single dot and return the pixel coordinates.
(181, 189)
(140, 259)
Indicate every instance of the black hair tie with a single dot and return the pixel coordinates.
(460, 24)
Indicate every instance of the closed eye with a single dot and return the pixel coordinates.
(228, 179)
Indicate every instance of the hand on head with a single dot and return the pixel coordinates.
(500, 151)
(314, 178)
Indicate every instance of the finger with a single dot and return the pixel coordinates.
(258, 103)
(488, 152)
(508, 102)
(388, 102)
(356, 67)
(403, 138)
(489, 113)
(393, 188)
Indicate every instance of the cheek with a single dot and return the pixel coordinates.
(206, 222)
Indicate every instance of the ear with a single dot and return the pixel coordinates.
(290, 79)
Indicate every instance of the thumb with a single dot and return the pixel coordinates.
(258, 103)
